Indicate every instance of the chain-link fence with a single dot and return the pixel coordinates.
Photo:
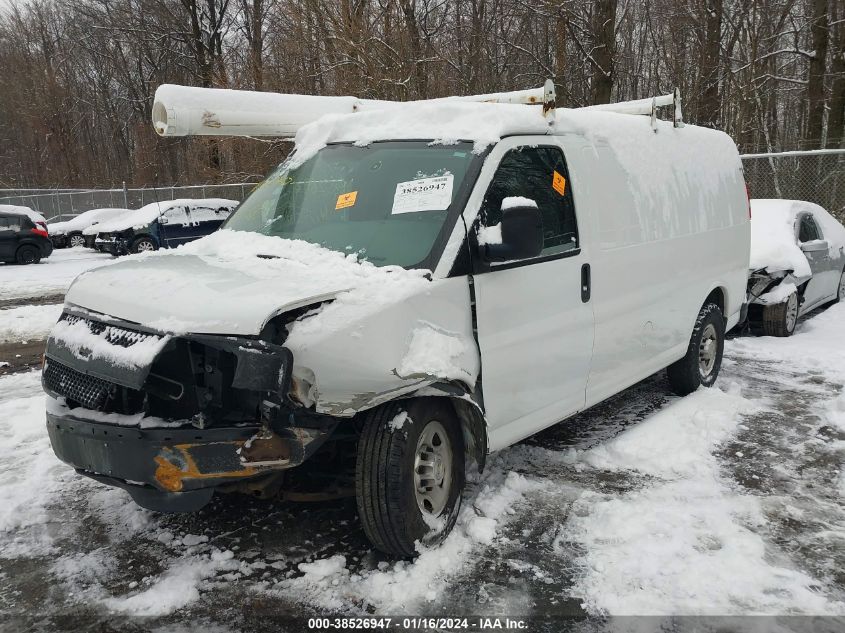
(55, 204)
(816, 176)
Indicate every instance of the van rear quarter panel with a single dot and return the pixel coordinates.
(668, 223)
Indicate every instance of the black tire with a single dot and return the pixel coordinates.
(142, 245)
(780, 319)
(687, 374)
(840, 293)
(75, 240)
(28, 255)
(385, 475)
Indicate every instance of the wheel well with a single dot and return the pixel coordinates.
(143, 236)
(717, 296)
(470, 415)
(26, 245)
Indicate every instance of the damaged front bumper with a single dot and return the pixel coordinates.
(169, 470)
(171, 418)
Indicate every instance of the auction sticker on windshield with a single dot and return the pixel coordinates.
(423, 194)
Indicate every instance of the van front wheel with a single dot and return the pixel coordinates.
(701, 364)
(409, 474)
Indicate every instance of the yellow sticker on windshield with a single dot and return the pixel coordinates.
(345, 200)
(558, 183)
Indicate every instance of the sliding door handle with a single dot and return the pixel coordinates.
(585, 283)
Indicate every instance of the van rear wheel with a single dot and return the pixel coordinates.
(409, 474)
(701, 364)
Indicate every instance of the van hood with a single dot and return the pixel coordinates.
(183, 293)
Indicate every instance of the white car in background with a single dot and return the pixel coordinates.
(69, 233)
(797, 263)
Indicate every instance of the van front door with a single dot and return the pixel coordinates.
(535, 319)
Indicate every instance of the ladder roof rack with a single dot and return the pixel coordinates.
(187, 111)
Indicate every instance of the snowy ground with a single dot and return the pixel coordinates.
(730, 501)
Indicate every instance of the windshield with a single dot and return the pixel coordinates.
(387, 202)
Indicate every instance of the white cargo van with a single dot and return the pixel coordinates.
(415, 287)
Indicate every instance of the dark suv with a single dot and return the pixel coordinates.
(22, 240)
(164, 224)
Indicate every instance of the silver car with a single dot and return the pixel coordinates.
(797, 263)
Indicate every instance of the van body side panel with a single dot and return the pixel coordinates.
(390, 351)
(664, 238)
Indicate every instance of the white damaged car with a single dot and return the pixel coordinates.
(797, 263)
(413, 288)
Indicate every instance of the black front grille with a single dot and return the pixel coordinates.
(89, 392)
(113, 334)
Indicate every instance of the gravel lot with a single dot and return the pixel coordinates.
(730, 501)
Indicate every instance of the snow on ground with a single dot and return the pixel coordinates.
(728, 501)
(53, 275)
(27, 322)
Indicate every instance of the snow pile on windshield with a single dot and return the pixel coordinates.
(18, 210)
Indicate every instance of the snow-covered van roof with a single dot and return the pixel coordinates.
(650, 151)
(773, 243)
(19, 210)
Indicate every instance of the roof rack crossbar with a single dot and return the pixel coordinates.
(646, 107)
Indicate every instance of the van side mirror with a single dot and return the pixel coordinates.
(814, 246)
(522, 235)
(162, 219)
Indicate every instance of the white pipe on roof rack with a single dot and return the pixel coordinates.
(638, 106)
(187, 111)
(803, 152)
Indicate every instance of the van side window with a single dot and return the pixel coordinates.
(4, 224)
(807, 230)
(540, 174)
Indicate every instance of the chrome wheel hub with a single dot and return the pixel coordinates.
(707, 349)
(145, 246)
(433, 469)
(792, 312)
(77, 240)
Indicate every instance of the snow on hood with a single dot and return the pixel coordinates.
(232, 282)
(773, 243)
(149, 212)
(85, 220)
(13, 208)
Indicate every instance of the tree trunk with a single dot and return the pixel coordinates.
(604, 51)
(836, 118)
(710, 104)
(815, 86)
